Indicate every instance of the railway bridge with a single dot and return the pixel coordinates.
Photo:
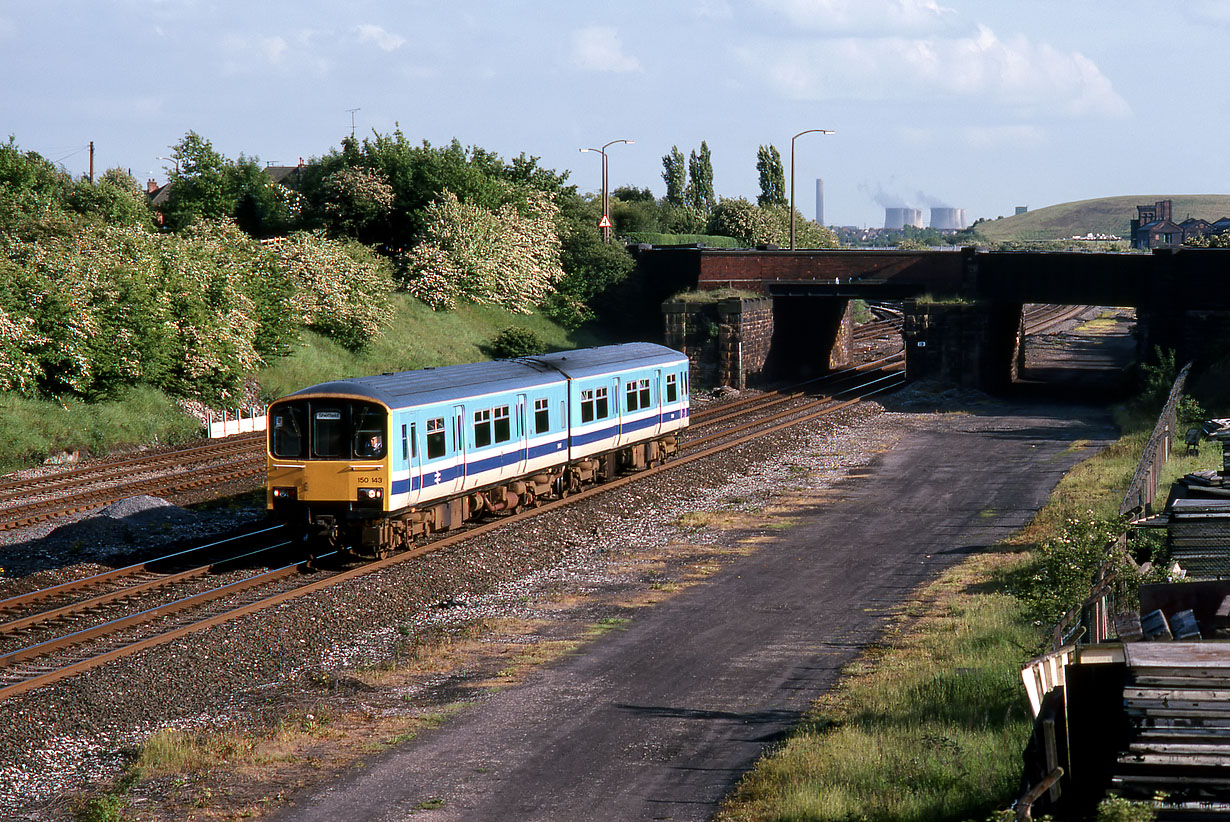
(963, 309)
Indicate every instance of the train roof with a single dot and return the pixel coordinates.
(587, 362)
(429, 386)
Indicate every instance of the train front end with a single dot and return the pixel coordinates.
(329, 466)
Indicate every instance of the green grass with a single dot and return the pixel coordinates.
(31, 430)
(1103, 215)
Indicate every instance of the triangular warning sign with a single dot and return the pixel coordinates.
(605, 222)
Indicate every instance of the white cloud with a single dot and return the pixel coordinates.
(272, 48)
(246, 55)
(597, 48)
(384, 40)
(981, 67)
(846, 16)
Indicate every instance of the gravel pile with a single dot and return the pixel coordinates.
(70, 735)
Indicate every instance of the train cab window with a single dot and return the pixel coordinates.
(435, 438)
(369, 433)
(587, 406)
(287, 435)
(601, 408)
(503, 431)
(482, 428)
(328, 434)
(542, 416)
(672, 388)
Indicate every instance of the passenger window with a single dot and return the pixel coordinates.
(630, 397)
(503, 432)
(672, 388)
(587, 406)
(435, 438)
(542, 417)
(601, 409)
(482, 428)
(646, 400)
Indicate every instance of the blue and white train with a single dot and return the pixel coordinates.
(371, 463)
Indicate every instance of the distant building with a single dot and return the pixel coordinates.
(1154, 227)
(1022, 210)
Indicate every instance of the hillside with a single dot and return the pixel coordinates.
(1104, 215)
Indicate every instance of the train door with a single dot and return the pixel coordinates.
(410, 456)
(617, 405)
(523, 435)
(657, 400)
(459, 448)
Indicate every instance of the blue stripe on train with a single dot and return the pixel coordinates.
(451, 473)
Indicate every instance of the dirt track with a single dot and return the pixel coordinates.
(659, 720)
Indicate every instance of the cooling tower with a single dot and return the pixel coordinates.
(948, 219)
(896, 219)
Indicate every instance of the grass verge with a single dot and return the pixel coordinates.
(926, 726)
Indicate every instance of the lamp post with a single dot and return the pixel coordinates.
(171, 160)
(606, 202)
(792, 139)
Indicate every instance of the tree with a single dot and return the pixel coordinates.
(116, 199)
(699, 192)
(261, 206)
(675, 175)
(772, 178)
(473, 254)
(359, 202)
(755, 225)
(592, 268)
(199, 185)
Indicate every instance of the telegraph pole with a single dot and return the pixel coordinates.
(91, 161)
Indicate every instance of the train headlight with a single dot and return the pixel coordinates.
(371, 496)
(285, 494)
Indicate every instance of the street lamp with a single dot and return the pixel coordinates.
(171, 160)
(606, 202)
(792, 139)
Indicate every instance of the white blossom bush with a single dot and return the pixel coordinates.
(19, 365)
(341, 289)
(508, 257)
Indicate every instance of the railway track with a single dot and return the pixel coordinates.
(58, 632)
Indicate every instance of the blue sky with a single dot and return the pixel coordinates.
(977, 105)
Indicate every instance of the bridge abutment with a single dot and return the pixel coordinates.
(974, 345)
(738, 342)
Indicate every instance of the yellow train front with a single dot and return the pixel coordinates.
(329, 466)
